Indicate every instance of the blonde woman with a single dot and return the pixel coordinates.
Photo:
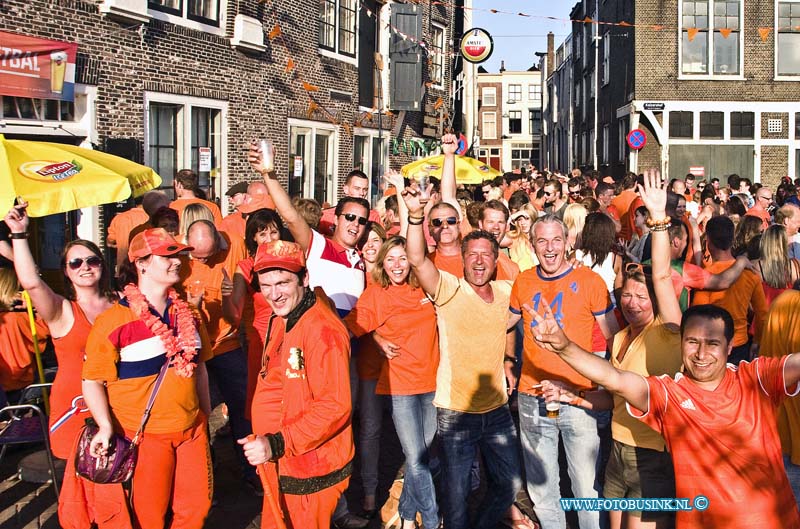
(574, 218)
(191, 213)
(521, 249)
(778, 272)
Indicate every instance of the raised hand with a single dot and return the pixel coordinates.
(547, 333)
(411, 198)
(449, 144)
(256, 160)
(396, 179)
(17, 218)
(654, 193)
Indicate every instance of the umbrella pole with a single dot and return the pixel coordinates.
(38, 353)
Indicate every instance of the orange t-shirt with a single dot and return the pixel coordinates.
(452, 264)
(120, 230)
(507, 270)
(405, 316)
(622, 204)
(234, 225)
(16, 349)
(746, 292)
(209, 276)
(179, 205)
(725, 447)
(576, 297)
(637, 201)
(762, 214)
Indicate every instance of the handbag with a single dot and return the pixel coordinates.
(120, 460)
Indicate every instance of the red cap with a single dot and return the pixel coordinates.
(155, 241)
(279, 254)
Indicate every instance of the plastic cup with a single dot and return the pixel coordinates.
(552, 409)
(266, 154)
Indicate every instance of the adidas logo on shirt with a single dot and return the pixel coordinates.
(688, 404)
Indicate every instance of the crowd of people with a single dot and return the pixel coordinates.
(642, 326)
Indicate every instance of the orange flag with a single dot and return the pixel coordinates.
(289, 65)
(275, 32)
(439, 103)
(725, 32)
(764, 33)
(692, 33)
(346, 128)
(588, 20)
(623, 23)
(310, 87)
(312, 106)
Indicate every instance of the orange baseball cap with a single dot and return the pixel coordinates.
(155, 241)
(254, 205)
(279, 254)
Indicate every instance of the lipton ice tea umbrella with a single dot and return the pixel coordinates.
(56, 178)
(468, 170)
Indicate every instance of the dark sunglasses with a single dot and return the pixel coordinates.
(350, 217)
(449, 220)
(92, 261)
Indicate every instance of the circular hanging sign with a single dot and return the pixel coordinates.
(636, 139)
(476, 45)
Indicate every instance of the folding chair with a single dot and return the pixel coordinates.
(24, 427)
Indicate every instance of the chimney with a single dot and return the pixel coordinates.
(551, 56)
(502, 66)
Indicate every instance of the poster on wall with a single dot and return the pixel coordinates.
(37, 68)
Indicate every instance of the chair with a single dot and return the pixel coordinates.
(27, 423)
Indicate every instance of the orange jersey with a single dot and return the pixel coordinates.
(622, 203)
(725, 447)
(179, 205)
(761, 213)
(119, 231)
(507, 270)
(16, 349)
(452, 264)
(576, 297)
(233, 225)
(746, 292)
(208, 276)
(406, 317)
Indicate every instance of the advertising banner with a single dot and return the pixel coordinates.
(37, 68)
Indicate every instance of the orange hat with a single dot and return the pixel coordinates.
(279, 254)
(609, 180)
(254, 205)
(155, 241)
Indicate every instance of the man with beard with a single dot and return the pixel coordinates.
(554, 202)
(471, 395)
(494, 219)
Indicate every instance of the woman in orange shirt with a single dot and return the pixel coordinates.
(394, 306)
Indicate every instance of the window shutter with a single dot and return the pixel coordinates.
(405, 75)
(366, 54)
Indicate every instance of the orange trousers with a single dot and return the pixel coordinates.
(310, 511)
(173, 472)
(82, 502)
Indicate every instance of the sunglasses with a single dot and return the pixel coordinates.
(92, 261)
(449, 220)
(632, 268)
(350, 217)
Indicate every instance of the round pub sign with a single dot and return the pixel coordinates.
(476, 45)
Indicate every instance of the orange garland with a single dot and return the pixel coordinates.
(181, 349)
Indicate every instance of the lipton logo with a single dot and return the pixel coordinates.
(49, 171)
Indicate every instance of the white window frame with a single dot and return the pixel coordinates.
(437, 57)
(777, 75)
(606, 58)
(486, 93)
(516, 96)
(535, 92)
(335, 52)
(518, 115)
(184, 20)
(606, 142)
(371, 135)
(486, 130)
(710, 46)
(315, 126)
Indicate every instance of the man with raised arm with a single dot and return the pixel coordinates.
(718, 421)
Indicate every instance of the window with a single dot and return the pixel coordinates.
(515, 92)
(606, 58)
(314, 176)
(535, 121)
(489, 96)
(578, 43)
(797, 126)
(788, 37)
(204, 11)
(520, 158)
(37, 109)
(489, 128)
(577, 93)
(710, 36)
(515, 122)
(164, 141)
(437, 55)
(742, 125)
(622, 134)
(337, 26)
(368, 155)
(534, 92)
(681, 125)
(711, 126)
(606, 139)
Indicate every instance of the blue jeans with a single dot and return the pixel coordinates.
(578, 429)
(370, 416)
(495, 435)
(229, 373)
(414, 419)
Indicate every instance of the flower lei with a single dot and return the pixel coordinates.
(180, 349)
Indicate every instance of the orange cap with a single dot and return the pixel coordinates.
(155, 241)
(279, 254)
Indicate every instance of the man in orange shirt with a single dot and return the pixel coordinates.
(494, 219)
(119, 230)
(186, 186)
(745, 293)
(622, 204)
(579, 298)
(764, 199)
(234, 223)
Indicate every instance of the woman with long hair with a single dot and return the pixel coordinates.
(598, 242)
(152, 330)
(521, 249)
(778, 272)
(191, 213)
(749, 227)
(574, 219)
(394, 306)
(70, 318)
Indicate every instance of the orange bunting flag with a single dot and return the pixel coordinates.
(289, 65)
(623, 23)
(588, 20)
(312, 106)
(725, 32)
(346, 128)
(692, 33)
(310, 87)
(357, 123)
(276, 31)
(389, 113)
(439, 103)
(764, 33)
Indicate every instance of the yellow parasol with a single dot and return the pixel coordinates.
(468, 170)
(55, 178)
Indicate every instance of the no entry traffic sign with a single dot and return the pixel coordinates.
(636, 139)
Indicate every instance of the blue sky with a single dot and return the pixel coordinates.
(516, 38)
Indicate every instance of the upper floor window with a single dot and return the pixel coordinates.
(204, 11)
(515, 92)
(515, 122)
(437, 55)
(535, 121)
(489, 96)
(681, 124)
(710, 41)
(37, 109)
(788, 49)
(534, 92)
(337, 26)
(489, 128)
(606, 58)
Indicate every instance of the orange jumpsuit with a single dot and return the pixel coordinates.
(303, 399)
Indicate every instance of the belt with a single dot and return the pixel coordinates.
(303, 486)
